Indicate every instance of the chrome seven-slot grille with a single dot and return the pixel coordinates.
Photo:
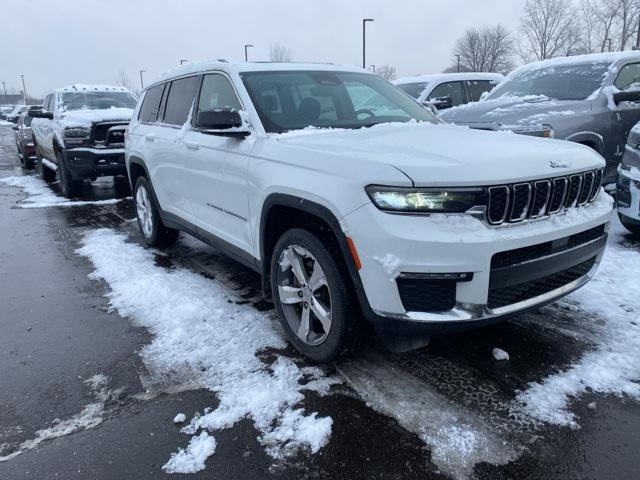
(520, 201)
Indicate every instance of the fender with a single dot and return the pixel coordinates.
(140, 162)
(322, 212)
(592, 138)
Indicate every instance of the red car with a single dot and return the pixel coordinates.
(24, 141)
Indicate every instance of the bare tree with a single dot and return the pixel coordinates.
(547, 29)
(388, 72)
(279, 53)
(486, 49)
(124, 80)
(609, 23)
(628, 20)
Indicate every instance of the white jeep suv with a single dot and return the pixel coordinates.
(382, 211)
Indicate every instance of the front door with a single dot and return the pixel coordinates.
(625, 115)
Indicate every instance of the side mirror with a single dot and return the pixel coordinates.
(15, 127)
(227, 122)
(441, 102)
(484, 96)
(41, 114)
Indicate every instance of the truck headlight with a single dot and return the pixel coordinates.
(76, 136)
(544, 131)
(426, 200)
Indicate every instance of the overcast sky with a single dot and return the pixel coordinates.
(58, 42)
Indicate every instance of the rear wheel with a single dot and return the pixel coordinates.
(312, 295)
(153, 230)
(69, 187)
(46, 173)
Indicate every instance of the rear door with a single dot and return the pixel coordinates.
(475, 88)
(447, 95)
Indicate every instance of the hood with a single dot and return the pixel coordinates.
(514, 112)
(85, 118)
(448, 155)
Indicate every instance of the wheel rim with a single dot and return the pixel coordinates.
(304, 295)
(143, 209)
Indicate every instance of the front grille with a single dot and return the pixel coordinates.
(100, 131)
(510, 258)
(517, 202)
(501, 297)
(422, 295)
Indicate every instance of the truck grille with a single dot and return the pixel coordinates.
(517, 202)
(108, 132)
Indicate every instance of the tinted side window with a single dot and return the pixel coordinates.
(217, 92)
(452, 90)
(180, 99)
(629, 76)
(48, 104)
(151, 104)
(475, 88)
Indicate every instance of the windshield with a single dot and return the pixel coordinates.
(27, 121)
(413, 89)
(293, 100)
(564, 82)
(97, 100)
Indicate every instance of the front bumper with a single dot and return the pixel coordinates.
(393, 247)
(84, 162)
(628, 193)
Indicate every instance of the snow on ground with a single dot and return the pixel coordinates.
(458, 439)
(179, 418)
(90, 417)
(192, 459)
(39, 195)
(201, 335)
(611, 305)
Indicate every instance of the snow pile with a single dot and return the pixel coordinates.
(179, 418)
(201, 336)
(4, 123)
(192, 459)
(39, 195)
(500, 354)
(390, 264)
(613, 366)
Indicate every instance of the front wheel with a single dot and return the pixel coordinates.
(153, 230)
(69, 187)
(631, 226)
(312, 295)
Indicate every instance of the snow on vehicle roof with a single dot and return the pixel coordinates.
(593, 58)
(450, 77)
(79, 87)
(239, 67)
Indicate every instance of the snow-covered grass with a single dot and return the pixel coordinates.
(611, 305)
(203, 337)
(39, 195)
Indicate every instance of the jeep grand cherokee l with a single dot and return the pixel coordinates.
(79, 134)
(382, 210)
(587, 99)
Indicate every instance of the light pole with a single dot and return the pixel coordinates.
(609, 40)
(24, 89)
(141, 82)
(246, 54)
(6, 99)
(183, 61)
(364, 41)
(458, 56)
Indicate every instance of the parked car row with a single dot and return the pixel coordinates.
(350, 198)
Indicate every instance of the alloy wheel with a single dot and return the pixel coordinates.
(304, 295)
(143, 209)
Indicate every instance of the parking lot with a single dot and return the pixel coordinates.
(96, 365)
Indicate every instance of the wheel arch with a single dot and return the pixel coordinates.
(136, 167)
(589, 139)
(281, 212)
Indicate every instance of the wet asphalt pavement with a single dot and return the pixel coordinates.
(57, 331)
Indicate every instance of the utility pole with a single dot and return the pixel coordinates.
(246, 53)
(609, 40)
(6, 99)
(638, 37)
(141, 82)
(364, 41)
(24, 89)
(458, 56)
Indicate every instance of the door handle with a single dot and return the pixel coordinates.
(191, 145)
(149, 138)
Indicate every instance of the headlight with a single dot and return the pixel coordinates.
(426, 200)
(545, 131)
(77, 132)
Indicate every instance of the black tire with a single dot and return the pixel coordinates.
(346, 329)
(46, 173)
(631, 226)
(70, 188)
(158, 235)
(20, 154)
(28, 163)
